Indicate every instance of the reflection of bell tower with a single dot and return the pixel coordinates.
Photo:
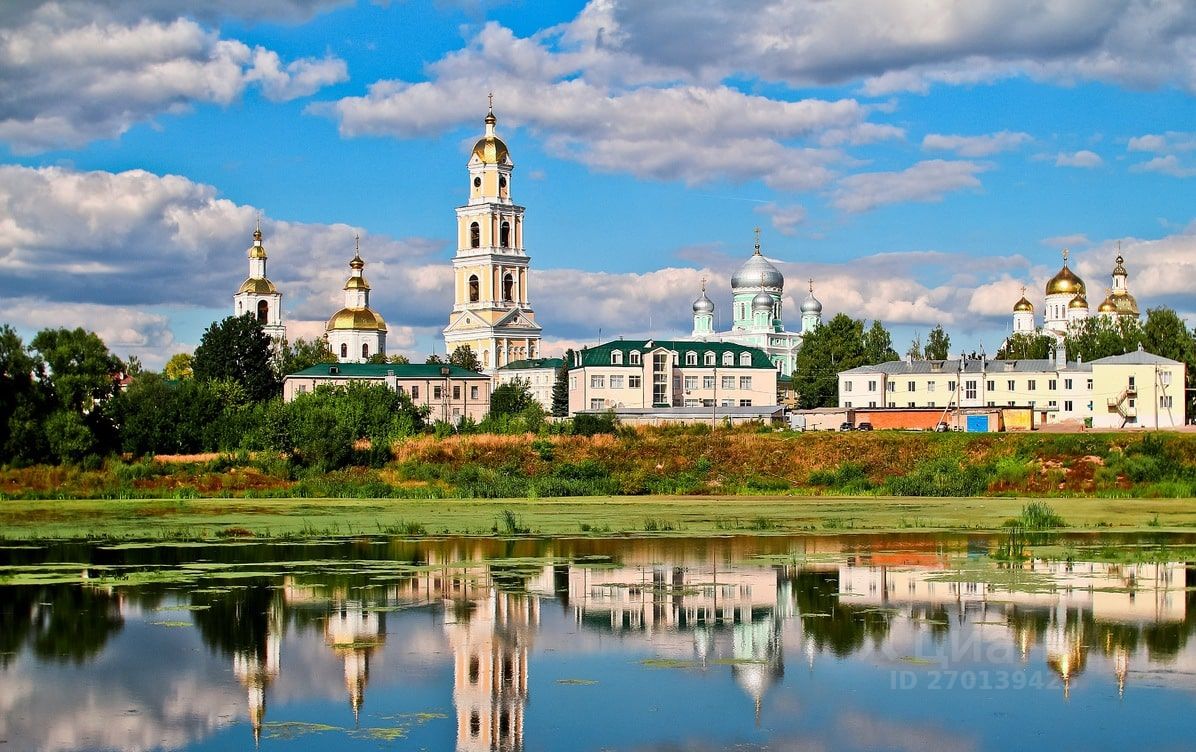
(354, 633)
(492, 312)
(490, 649)
(1066, 653)
(256, 670)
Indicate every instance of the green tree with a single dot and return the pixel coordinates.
(303, 353)
(238, 349)
(1026, 346)
(511, 398)
(560, 388)
(1164, 333)
(82, 371)
(20, 395)
(179, 367)
(835, 346)
(915, 349)
(1099, 337)
(938, 344)
(434, 360)
(878, 345)
(464, 357)
(398, 359)
(70, 437)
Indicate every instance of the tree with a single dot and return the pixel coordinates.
(938, 344)
(1100, 337)
(1026, 346)
(560, 387)
(20, 395)
(434, 360)
(1164, 333)
(179, 367)
(914, 352)
(511, 398)
(838, 345)
(238, 349)
(398, 359)
(303, 353)
(878, 345)
(82, 371)
(133, 366)
(464, 357)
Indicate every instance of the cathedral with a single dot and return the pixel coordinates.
(1066, 303)
(257, 295)
(356, 332)
(756, 321)
(492, 314)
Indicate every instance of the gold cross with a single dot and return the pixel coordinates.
(1065, 256)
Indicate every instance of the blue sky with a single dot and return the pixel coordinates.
(920, 162)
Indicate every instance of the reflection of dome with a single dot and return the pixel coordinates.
(356, 318)
(1023, 306)
(257, 287)
(1079, 301)
(757, 272)
(703, 304)
(762, 302)
(1065, 283)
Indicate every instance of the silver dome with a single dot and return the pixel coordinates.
(763, 301)
(757, 272)
(703, 304)
(811, 304)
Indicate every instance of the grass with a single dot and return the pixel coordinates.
(206, 519)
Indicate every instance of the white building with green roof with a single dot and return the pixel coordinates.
(450, 393)
(538, 373)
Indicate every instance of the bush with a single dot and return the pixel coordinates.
(586, 424)
(942, 476)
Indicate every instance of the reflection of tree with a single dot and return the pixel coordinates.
(845, 628)
(61, 622)
(236, 620)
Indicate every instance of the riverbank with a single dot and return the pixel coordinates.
(208, 519)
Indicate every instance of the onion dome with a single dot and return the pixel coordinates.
(257, 250)
(357, 263)
(757, 272)
(1065, 282)
(762, 302)
(1125, 303)
(1079, 301)
(357, 282)
(490, 148)
(811, 304)
(1120, 268)
(1108, 306)
(257, 286)
(703, 304)
(1023, 306)
(356, 318)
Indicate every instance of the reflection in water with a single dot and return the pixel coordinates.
(705, 607)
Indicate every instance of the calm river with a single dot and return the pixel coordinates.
(856, 642)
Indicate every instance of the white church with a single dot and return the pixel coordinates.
(257, 295)
(1066, 303)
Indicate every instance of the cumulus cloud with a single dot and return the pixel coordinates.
(1167, 165)
(64, 82)
(1084, 159)
(785, 219)
(926, 181)
(1168, 148)
(976, 146)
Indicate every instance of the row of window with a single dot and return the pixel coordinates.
(1068, 405)
(634, 381)
(691, 358)
(365, 350)
(508, 288)
(438, 392)
(504, 235)
(991, 385)
(597, 403)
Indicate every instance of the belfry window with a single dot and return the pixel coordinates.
(263, 310)
(508, 288)
(475, 235)
(504, 235)
(344, 350)
(474, 294)
(477, 182)
(365, 350)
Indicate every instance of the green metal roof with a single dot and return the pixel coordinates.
(382, 370)
(522, 365)
(600, 354)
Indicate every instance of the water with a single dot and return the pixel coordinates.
(781, 643)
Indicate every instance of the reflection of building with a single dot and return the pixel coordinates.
(353, 632)
(257, 669)
(490, 650)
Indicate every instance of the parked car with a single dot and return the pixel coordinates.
(864, 427)
(942, 427)
(845, 427)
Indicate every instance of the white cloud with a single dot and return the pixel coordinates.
(785, 219)
(1084, 159)
(976, 146)
(1167, 165)
(926, 181)
(65, 83)
(1168, 146)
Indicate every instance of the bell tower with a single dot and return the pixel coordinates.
(492, 312)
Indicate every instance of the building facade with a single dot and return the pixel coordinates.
(257, 295)
(666, 374)
(356, 332)
(756, 320)
(538, 373)
(450, 393)
(492, 312)
(1133, 390)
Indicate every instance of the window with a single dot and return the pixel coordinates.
(1165, 401)
(263, 311)
(950, 386)
(415, 392)
(872, 387)
(691, 383)
(847, 386)
(930, 386)
(1164, 377)
(691, 358)
(892, 385)
(475, 235)
(728, 382)
(456, 391)
(634, 381)
(727, 403)
(708, 359)
(745, 358)
(1052, 385)
(847, 403)
(1067, 407)
(477, 182)
(1009, 385)
(1089, 383)
(872, 403)
(597, 382)
(473, 392)
(660, 378)
(928, 404)
(437, 391)
(1067, 383)
(616, 382)
(1132, 385)
(475, 721)
(597, 404)
(745, 403)
(728, 359)
(1052, 403)
(909, 404)
(634, 357)
(365, 350)
(474, 292)
(344, 350)
(502, 181)
(910, 386)
(399, 388)
(508, 288)
(504, 235)
(707, 382)
(892, 404)
(969, 389)
(572, 383)
(745, 382)
(616, 357)
(990, 385)
(1031, 385)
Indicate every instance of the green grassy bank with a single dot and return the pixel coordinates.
(195, 519)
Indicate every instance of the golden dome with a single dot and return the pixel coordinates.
(257, 252)
(1107, 307)
(356, 318)
(1125, 303)
(1079, 301)
(491, 150)
(1023, 305)
(1065, 283)
(1120, 268)
(258, 286)
(357, 283)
